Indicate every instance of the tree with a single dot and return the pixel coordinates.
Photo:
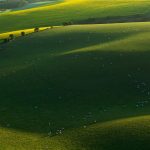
(11, 36)
(23, 33)
(67, 23)
(36, 29)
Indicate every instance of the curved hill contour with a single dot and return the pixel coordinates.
(60, 80)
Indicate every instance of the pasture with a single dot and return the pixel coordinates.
(77, 87)
(95, 11)
(82, 85)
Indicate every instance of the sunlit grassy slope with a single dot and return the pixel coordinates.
(78, 11)
(18, 32)
(67, 79)
(131, 133)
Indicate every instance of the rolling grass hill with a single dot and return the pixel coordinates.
(31, 5)
(35, 4)
(18, 32)
(77, 87)
(131, 133)
(78, 11)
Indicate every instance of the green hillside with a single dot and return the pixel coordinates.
(35, 4)
(83, 86)
(77, 11)
(131, 133)
(63, 88)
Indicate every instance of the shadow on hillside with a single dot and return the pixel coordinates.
(119, 134)
(76, 90)
(116, 19)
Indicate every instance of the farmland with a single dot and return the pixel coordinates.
(83, 86)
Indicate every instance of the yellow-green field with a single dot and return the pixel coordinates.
(27, 31)
(118, 134)
(77, 11)
(18, 32)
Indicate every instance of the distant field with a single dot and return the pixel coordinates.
(77, 11)
(37, 4)
(32, 5)
(77, 87)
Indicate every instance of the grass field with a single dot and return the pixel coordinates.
(95, 11)
(29, 6)
(80, 87)
(18, 32)
(36, 4)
